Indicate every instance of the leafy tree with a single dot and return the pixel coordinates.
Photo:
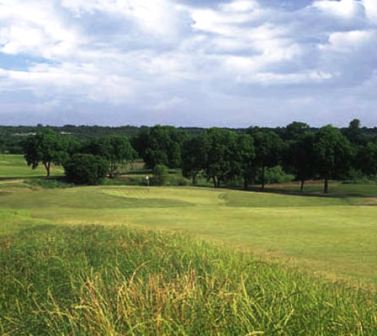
(115, 149)
(301, 157)
(295, 130)
(161, 174)
(85, 169)
(245, 158)
(367, 159)
(268, 150)
(194, 156)
(46, 147)
(221, 148)
(160, 145)
(333, 154)
(354, 133)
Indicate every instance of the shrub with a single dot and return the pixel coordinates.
(48, 183)
(276, 175)
(161, 174)
(85, 169)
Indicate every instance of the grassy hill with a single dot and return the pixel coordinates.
(95, 280)
(14, 166)
(121, 260)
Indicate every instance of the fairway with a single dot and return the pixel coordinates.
(334, 237)
(14, 166)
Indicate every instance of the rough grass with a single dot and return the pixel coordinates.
(93, 280)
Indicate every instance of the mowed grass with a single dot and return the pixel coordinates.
(14, 166)
(332, 237)
(113, 260)
(97, 280)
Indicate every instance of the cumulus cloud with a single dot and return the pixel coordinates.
(187, 62)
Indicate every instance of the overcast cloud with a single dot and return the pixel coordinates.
(188, 62)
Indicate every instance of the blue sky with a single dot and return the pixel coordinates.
(188, 62)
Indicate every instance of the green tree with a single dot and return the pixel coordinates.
(333, 154)
(86, 169)
(301, 157)
(194, 157)
(268, 150)
(354, 133)
(367, 159)
(160, 145)
(221, 148)
(245, 158)
(160, 174)
(295, 130)
(115, 149)
(46, 147)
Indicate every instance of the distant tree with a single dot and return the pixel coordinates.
(160, 145)
(295, 130)
(46, 147)
(245, 158)
(301, 157)
(115, 149)
(367, 159)
(161, 174)
(85, 169)
(268, 150)
(221, 148)
(194, 157)
(333, 154)
(354, 133)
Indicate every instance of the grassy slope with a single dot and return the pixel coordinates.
(327, 235)
(94, 280)
(107, 280)
(14, 166)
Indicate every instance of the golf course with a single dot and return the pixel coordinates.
(133, 260)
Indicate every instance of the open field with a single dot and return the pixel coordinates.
(64, 275)
(14, 166)
(336, 237)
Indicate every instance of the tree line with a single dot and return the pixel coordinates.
(222, 156)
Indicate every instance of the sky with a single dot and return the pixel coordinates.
(233, 63)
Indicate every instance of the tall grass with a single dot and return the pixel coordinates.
(93, 280)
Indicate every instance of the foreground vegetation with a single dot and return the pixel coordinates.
(95, 280)
(123, 260)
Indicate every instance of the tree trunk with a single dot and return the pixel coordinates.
(218, 183)
(245, 184)
(326, 186)
(263, 169)
(48, 168)
(194, 179)
(214, 181)
(302, 185)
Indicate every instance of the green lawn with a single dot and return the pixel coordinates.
(334, 237)
(102, 260)
(14, 166)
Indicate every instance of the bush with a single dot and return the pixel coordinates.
(85, 169)
(48, 183)
(161, 175)
(276, 175)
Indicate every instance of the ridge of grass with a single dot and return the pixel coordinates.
(96, 280)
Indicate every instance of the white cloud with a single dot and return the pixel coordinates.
(371, 9)
(349, 41)
(157, 55)
(347, 9)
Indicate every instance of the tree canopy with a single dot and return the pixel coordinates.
(46, 147)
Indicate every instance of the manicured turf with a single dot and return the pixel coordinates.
(14, 166)
(334, 237)
(272, 268)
